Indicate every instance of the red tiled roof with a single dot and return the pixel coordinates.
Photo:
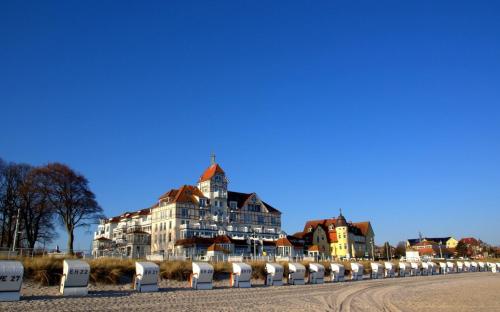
(222, 239)
(314, 223)
(427, 252)
(363, 226)
(359, 228)
(142, 212)
(113, 219)
(283, 241)
(300, 234)
(185, 194)
(210, 172)
(215, 247)
(170, 194)
(313, 248)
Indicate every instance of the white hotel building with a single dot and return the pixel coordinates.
(209, 210)
(206, 210)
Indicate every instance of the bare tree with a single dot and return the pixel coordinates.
(11, 179)
(71, 197)
(37, 213)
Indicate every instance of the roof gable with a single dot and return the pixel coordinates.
(210, 172)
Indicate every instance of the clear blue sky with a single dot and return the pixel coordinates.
(388, 109)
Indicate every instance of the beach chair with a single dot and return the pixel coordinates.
(75, 278)
(296, 274)
(274, 274)
(241, 275)
(202, 276)
(338, 272)
(146, 276)
(11, 280)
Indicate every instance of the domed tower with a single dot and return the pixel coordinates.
(342, 237)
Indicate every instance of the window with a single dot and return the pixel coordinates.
(260, 219)
(184, 212)
(247, 218)
(202, 202)
(232, 205)
(253, 207)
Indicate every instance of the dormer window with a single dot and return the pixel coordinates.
(310, 229)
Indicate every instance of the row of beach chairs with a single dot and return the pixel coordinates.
(74, 281)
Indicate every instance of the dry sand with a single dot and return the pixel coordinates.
(454, 292)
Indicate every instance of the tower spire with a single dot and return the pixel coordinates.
(212, 159)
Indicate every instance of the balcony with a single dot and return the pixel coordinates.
(220, 194)
(121, 241)
(135, 228)
(141, 239)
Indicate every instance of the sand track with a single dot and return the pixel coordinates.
(459, 292)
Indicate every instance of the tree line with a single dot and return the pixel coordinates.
(35, 198)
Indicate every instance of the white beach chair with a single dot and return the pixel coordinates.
(241, 275)
(202, 275)
(404, 269)
(338, 272)
(11, 280)
(146, 276)
(377, 270)
(389, 269)
(296, 274)
(316, 273)
(274, 273)
(357, 271)
(75, 279)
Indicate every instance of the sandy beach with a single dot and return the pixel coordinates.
(455, 292)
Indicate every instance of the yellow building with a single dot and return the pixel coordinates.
(338, 238)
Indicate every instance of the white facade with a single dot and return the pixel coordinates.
(127, 235)
(208, 210)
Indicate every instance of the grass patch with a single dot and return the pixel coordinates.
(48, 271)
